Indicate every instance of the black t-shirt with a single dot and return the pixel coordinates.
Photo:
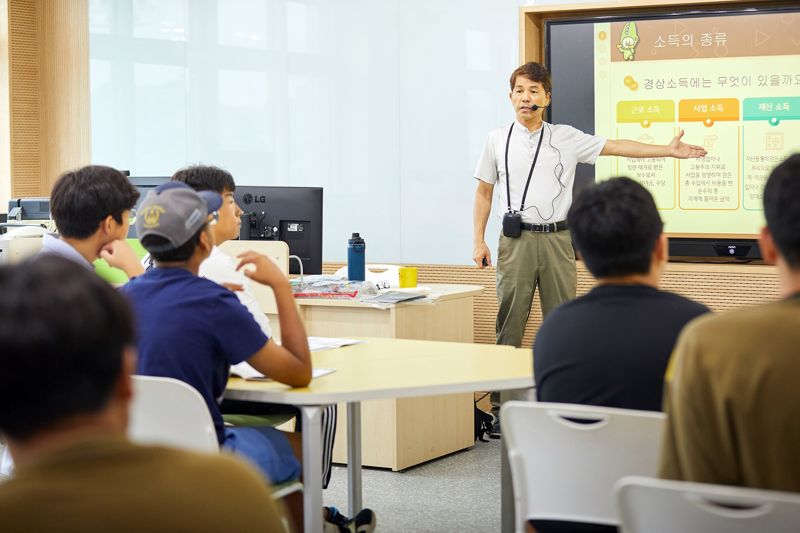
(610, 347)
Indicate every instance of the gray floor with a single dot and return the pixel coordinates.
(457, 493)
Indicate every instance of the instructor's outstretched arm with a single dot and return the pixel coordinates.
(676, 148)
(480, 216)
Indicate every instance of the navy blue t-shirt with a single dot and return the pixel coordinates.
(610, 347)
(191, 329)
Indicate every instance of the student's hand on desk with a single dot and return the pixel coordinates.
(119, 254)
(266, 272)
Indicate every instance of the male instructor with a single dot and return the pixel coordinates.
(535, 247)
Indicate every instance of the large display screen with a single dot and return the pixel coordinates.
(731, 81)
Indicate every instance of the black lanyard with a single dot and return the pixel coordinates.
(530, 172)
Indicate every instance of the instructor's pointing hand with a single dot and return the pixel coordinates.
(681, 150)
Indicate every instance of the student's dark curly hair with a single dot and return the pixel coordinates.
(206, 178)
(615, 226)
(83, 198)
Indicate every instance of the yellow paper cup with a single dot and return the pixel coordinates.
(408, 277)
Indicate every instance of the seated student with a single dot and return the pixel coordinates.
(733, 412)
(65, 389)
(221, 268)
(91, 207)
(610, 347)
(193, 329)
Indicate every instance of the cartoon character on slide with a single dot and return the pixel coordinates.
(628, 40)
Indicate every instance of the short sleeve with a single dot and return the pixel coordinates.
(487, 164)
(587, 147)
(238, 334)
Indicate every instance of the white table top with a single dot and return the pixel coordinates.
(393, 368)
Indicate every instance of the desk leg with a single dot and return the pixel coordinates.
(507, 511)
(312, 468)
(354, 457)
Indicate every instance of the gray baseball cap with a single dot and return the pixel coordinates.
(175, 212)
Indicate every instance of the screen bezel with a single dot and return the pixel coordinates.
(703, 241)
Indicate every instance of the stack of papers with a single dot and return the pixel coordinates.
(392, 297)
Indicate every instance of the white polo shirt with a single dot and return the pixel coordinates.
(563, 147)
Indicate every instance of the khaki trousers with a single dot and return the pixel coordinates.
(546, 260)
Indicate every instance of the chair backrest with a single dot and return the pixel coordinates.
(661, 506)
(278, 251)
(565, 459)
(169, 412)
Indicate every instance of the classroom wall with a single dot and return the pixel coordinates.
(384, 104)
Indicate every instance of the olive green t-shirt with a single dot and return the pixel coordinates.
(110, 484)
(733, 411)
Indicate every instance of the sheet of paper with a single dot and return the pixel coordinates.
(326, 343)
(245, 371)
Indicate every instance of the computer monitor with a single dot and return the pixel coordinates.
(144, 184)
(289, 214)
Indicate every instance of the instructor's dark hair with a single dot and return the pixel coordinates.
(62, 335)
(782, 208)
(83, 198)
(206, 178)
(534, 72)
(615, 226)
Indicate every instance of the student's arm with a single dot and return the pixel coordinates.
(676, 148)
(289, 363)
(119, 254)
(480, 215)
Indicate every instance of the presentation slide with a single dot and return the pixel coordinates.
(731, 82)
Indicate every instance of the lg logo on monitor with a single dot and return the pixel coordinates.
(248, 199)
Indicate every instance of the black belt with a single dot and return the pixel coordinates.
(545, 228)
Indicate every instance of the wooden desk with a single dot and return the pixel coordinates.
(376, 370)
(399, 433)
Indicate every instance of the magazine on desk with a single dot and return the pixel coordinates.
(315, 344)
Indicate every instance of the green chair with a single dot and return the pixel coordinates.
(113, 275)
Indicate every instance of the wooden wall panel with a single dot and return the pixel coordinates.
(721, 287)
(65, 118)
(48, 71)
(5, 127)
(25, 97)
